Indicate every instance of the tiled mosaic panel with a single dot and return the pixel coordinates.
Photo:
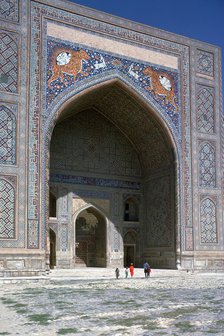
(64, 238)
(205, 63)
(63, 204)
(9, 10)
(8, 63)
(159, 216)
(89, 143)
(208, 221)
(207, 175)
(189, 239)
(68, 64)
(7, 210)
(33, 234)
(205, 110)
(7, 136)
(116, 240)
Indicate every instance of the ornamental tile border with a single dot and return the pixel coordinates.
(91, 193)
(93, 181)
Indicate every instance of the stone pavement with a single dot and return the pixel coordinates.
(90, 301)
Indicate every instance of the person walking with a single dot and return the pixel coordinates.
(132, 270)
(117, 272)
(146, 269)
(126, 272)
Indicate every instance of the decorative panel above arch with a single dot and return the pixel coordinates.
(69, 64)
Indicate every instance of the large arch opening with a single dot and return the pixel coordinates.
(110, 150)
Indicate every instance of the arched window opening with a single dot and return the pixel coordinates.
(131, 210)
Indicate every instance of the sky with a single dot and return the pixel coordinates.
(198, 19)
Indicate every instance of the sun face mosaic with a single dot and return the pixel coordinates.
(69, 64)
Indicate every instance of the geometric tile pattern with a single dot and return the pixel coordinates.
(9, 10)
(205, 111)
(189, 239)
(68, 64)
(7, 210)
(33, 234)
(208, 221)
(7, 136)
(159, 213)
(205, 63)
(64, 237)
(8, 63)
(116, 240)
(207, 175)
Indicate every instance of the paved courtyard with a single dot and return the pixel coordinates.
(92, 302)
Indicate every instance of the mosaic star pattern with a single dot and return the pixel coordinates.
(69, 64)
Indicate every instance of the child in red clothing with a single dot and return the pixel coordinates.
(132, 269)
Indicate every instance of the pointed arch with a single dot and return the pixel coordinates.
(74, 101)
(90, 237)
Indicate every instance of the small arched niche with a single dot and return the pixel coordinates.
(90, 242)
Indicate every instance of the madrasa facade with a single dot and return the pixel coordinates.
(111, 143)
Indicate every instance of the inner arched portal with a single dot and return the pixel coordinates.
(90, 236)
(109, 152)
